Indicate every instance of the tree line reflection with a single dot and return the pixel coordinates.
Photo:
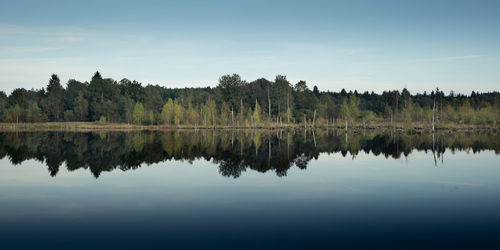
(233, 151)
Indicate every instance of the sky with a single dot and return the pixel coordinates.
(356, 45)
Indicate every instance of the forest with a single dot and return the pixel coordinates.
(235, 102)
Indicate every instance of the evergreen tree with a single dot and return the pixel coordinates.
(55, 95)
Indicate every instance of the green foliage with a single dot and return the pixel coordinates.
(102, 119)
(369, 117)
(354, 107)
(212, 109)
(178, 113)
(3, 104)
(235, 101)
(138, 115)
(34, 113)
(167, 112)
(257, 113)
(14, 114)
(55, 94)
(81, 108)
(231, 89)
(69, 115)
(344, 111)
(225, 114)
(150, 118)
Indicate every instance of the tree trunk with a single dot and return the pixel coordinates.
(441, 115)
(269, 101)
(396, 111)
(278, 119)
(288, 108)
(305, 121)
(314, 119)
(433, 111)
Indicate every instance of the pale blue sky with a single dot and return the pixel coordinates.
(363, 45)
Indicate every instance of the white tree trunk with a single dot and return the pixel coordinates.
(433, 111)
(269, 101)
(314, 119)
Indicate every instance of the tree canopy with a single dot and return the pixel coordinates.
(235, 101)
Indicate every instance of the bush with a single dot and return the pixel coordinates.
(102, 119)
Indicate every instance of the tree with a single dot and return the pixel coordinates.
(178, 113)
(69, 115)
(326, 106)
(231, 88)
(150, 117)
(466, 112)
(316, 91)
(103, 95)
(213, 110)
(192, 116)
(167, 112)
(282, 96)
(138, 113)
(344, 111)
(3, 104)
(305, 100)
(225, 113)
(74, 88)
(13, 114)
(81, 108)
(235, 100)
(257, 112)
(34, 113)
(55, 95)
(301, 86)
(353, 107)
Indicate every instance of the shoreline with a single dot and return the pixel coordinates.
(98, 126)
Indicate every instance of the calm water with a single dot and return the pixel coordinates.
(249, 190)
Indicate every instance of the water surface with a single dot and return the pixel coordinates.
(248, 189)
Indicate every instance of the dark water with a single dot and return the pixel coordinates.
(249, 190)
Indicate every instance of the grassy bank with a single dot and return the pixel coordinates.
(97, 126)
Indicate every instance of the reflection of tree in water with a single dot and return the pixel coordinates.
(233, 151)
(229, 168)
(301, 161)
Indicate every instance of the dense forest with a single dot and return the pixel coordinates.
(233, 151)
(236, 102)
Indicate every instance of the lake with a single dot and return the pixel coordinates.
(249, 189)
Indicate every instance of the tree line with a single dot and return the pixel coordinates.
(236, 102)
